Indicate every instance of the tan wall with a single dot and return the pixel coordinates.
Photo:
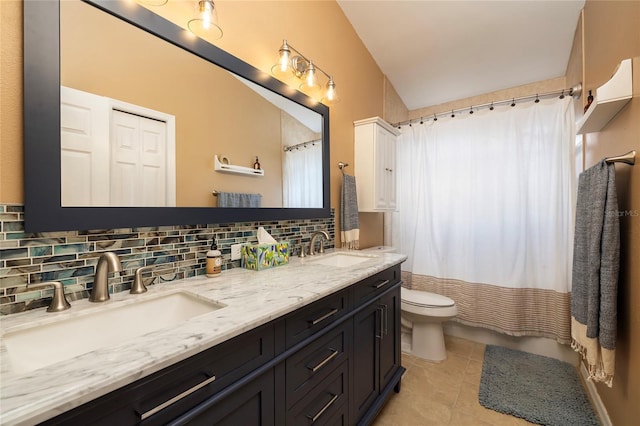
(394, 109)
(253, 31)
(11, 102)
(609, 33)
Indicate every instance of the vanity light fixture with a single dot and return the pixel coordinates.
(205, 21)
(307, 71)
(205, 24)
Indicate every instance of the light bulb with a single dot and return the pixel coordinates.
(205, 25)
(331, 95)
(205, 14)
(284, 61)
(285, 53)
(310, 76)
(310, 84)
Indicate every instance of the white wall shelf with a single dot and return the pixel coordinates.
(608, 100)
(242, 170)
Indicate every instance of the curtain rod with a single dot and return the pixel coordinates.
(303, 144)
(574, 91)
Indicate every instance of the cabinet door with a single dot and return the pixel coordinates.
(390, 341)
(381, 167)
(390, 170)
(250, 405)
(366, 380)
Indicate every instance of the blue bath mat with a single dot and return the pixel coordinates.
(536, 388)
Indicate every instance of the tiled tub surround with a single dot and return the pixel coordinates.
(71, 257)
(251, 298)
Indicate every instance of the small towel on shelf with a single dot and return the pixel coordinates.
(596, 264)
(350, 233)
(237, 199)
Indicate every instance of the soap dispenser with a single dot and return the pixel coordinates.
(214, 261)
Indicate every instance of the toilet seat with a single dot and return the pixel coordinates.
(425, 299)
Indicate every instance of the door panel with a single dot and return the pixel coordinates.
(84, 146)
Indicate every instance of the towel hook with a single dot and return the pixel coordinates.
(342, 165)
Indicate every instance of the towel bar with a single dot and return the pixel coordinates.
(215, 193)
(628, 158)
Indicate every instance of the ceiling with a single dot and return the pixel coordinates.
(438, 51)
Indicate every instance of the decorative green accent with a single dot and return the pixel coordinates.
(264, 256)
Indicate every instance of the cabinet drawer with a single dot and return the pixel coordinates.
(165, 395)
(325, 403)
(375, 284)
(226, 362)
(310, 319)
(307, 367)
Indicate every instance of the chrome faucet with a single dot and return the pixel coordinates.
(312, 244)
(108, 262)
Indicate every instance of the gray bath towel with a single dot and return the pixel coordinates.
(237, 199)
(596, 263)
(349, 226)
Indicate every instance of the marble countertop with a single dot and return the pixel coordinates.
(252, 298)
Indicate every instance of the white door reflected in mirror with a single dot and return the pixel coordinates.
(115, 153)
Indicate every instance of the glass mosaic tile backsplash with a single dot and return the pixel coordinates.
(71, 257)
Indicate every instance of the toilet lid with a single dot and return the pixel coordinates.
(424, 298)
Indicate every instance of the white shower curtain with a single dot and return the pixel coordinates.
(485, 214)
(302, 177)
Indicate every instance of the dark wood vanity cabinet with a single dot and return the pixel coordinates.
(166, 395)
(376, 353)
(333, 362)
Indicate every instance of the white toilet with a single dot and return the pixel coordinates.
(424, 313)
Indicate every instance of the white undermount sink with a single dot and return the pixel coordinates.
(342, 259)
(104, 326)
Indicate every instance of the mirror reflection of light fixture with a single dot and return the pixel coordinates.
(205, 24)
(304, 69)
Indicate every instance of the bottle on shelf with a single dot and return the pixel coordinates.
(256, 165)
(589, 101)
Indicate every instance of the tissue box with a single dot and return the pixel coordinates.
(264, 256)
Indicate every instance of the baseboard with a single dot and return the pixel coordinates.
(601, 410)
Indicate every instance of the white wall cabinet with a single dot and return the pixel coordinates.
(375, 164)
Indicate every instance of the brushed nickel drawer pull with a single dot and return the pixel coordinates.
(325, 408)
(334, 353)
(177, 398)
(381, 284)
(324, 317)
(379, 334)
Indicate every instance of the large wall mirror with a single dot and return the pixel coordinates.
(129, 122)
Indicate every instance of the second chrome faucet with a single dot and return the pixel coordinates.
(108, 262)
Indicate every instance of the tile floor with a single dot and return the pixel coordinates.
(443, 394)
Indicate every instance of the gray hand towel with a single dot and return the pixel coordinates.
(237, 199)
(350, 232)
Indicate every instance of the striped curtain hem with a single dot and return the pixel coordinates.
(511, 311)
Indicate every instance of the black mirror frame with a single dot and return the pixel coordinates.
(42, 183)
